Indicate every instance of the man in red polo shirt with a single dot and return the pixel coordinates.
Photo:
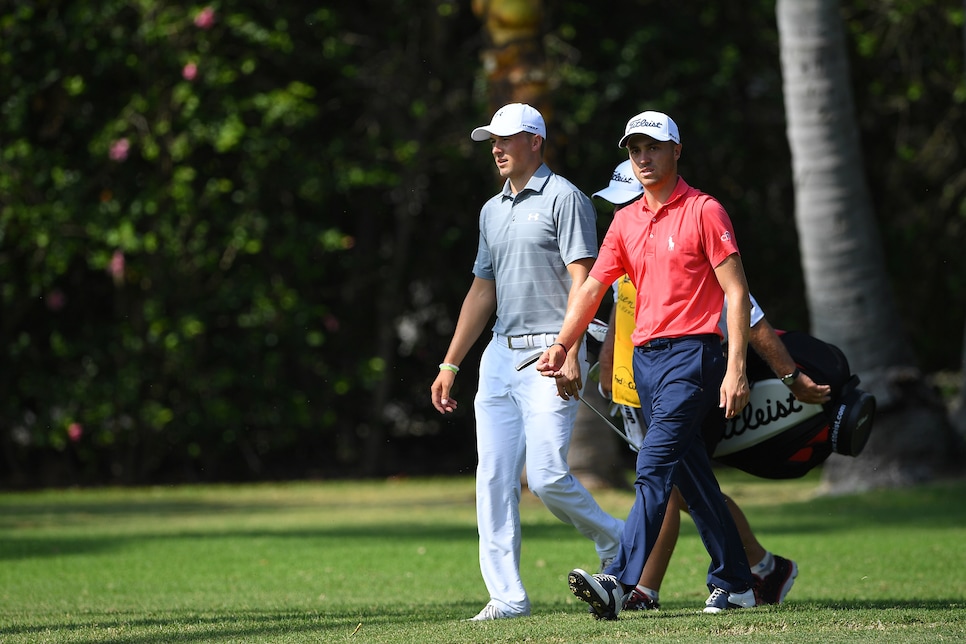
(678, 247)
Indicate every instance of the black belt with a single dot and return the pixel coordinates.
(659, 344)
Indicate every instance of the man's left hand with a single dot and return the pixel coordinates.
(734, 395)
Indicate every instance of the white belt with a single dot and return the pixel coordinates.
(534, 340)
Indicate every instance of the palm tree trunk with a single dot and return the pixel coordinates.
(959, 407)
(850, 299)
(514, 59)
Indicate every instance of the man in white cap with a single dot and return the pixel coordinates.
(774, 575)
(678, 247)
(538, 240)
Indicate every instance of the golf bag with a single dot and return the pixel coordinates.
(777, 437)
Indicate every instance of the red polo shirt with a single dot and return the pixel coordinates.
(670, 256)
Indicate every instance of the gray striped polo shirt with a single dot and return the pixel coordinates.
(526, 242)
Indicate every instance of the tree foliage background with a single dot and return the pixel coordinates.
(234, 237)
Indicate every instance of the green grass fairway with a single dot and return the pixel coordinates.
(396, 561)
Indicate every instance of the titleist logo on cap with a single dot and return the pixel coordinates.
(643, 122)
(656, 125)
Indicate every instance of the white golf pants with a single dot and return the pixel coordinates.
(520, 419)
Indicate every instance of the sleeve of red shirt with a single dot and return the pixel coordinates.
(608, 267)
(718, 232)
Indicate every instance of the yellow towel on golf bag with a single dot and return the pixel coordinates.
(623, 390)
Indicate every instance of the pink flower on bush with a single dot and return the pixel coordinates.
(189, 71)
(119, 149)
(116, 267)
(205, 18)
(74, 432)
(56, 300)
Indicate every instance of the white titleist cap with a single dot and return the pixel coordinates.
(511, 119)
(656, 125)
(623, 186)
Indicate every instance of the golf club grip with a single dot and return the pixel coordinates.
(529, 360)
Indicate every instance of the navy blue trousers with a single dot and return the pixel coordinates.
(678, 382)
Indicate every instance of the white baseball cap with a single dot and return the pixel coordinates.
(623, 186)
(656, 125)
(511, 119)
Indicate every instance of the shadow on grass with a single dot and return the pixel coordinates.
(677, 609)
(936, 506)
(247, 625)
(933, 506)
(14, 546)
(267, 625)
(68, 512)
